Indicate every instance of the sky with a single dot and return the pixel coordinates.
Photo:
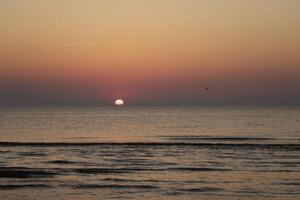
(158, 52)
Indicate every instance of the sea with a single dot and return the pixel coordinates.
(68, 153)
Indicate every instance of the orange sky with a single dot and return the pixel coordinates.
(149, 52)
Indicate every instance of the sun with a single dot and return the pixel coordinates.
(119, 102)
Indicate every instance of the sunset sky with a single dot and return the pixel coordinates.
(158, 52)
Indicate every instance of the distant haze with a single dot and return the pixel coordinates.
(159, 52)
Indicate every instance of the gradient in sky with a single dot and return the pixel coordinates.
(158, 52)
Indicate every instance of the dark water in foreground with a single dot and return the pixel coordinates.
(150, 153)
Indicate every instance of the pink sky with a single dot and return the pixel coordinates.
(150, 52)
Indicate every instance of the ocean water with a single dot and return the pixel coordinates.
(149, 153)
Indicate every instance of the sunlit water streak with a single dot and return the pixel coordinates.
(150, 153)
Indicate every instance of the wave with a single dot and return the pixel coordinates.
(207, 169)
(66, 162)
(33, 154)
(115, 186)
(202, 189)
(134, 170)
(23, 172)
(297, 184)
(103, 170)
(113, 170)
(120, 180)
(279, 170)
(288, 146)
(187, 137)
(249, 192)
(21, 186)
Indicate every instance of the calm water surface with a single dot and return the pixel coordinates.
(150, 153)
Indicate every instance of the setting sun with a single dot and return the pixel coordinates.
(119, 102)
